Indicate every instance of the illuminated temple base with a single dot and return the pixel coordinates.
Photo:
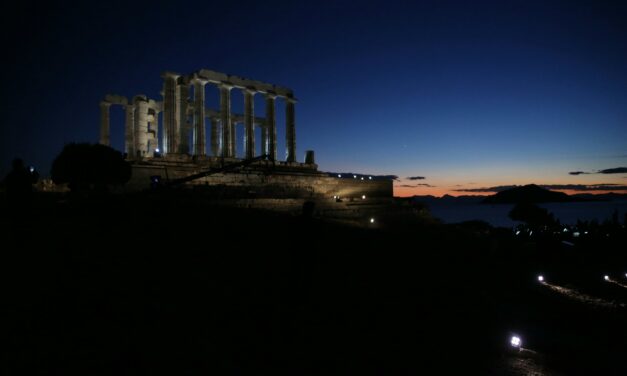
(262, 179)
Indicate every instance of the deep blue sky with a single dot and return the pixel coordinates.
(467, 94)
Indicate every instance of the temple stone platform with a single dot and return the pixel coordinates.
(260, 179)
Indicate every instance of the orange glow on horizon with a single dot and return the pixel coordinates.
(439, 192)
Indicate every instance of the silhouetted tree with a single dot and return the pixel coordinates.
(615, 220)
(532, 215)
(90, 166)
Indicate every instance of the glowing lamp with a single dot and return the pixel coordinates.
(515, 341)
(369, 177)
(339, 175)
(157, 150)
(540, 278)
(363, 197)
(607, 277)
(362, 178)
(354, 176)
(371, 220)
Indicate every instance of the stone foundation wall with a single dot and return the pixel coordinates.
(260, 183)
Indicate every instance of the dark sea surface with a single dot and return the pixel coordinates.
(496, 215)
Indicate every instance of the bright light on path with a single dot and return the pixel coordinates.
(515, 341)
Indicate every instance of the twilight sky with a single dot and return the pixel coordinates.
(467, 94)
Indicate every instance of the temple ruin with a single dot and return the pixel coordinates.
(185, 113)
(180, 154)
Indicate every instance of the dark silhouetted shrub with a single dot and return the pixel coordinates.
(90, 167)
(532, 215)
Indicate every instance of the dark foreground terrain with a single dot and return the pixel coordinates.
(167, 284)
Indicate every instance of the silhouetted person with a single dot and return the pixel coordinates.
(19, 184)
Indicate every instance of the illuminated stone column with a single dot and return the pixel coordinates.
(290, 129)
(264, 139)
(199, 117)
(182, 98)
(233, 138)
(215, 140)
(105, 123)
(141, 127)
(153, 132)
(225, 120)
(249, 123)
(171, 133)
(270, 126)
(129, 131)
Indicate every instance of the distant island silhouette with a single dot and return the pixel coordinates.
(530, 193)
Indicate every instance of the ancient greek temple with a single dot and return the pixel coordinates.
(185, 116)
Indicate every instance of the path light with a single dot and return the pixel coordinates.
(371, 220)
(369, 177)
(354, 176)
(362, 178)
(607, 277)
(540, 278)
(339, 175)
(515, 341)
(363, 197)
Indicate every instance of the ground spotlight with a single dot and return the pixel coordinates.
(515, 341)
